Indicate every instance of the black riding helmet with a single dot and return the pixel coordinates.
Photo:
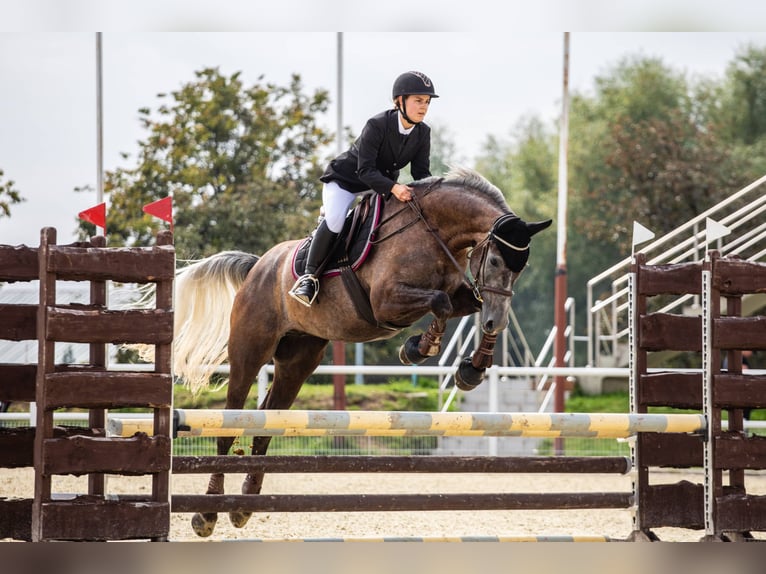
(412, 84)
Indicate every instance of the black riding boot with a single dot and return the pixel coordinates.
(306, 287)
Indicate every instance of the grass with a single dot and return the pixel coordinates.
(396, 395)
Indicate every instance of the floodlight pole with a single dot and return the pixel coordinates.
(99, 125)
(561, 245)
(339, 347)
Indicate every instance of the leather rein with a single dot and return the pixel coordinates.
(475, 284)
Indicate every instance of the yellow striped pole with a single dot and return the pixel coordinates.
(210, 422)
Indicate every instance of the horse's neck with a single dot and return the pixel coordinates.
(462, 221)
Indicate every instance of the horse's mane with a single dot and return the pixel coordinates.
(472, 180)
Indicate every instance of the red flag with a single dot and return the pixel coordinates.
(95, 215)
(162, 208)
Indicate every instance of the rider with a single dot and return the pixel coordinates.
(388, 142)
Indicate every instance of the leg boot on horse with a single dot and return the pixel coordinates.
(470, 372)
(418, 348)
(306, 287)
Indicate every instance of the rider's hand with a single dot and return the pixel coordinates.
(402, 192)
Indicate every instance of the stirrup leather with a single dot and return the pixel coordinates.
(302, 298)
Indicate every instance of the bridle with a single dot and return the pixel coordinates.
(477, 284)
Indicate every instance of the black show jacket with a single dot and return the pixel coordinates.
(373, 161)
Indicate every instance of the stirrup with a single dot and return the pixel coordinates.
(309, 282)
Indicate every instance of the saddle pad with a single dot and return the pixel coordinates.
(360, 245)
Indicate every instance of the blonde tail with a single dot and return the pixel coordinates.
(204, 295)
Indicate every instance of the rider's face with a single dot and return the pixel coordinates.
(416, 106)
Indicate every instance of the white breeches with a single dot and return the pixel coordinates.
(336, 202)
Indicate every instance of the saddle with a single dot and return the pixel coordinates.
(353, 245)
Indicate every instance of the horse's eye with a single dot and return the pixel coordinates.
(494, 261)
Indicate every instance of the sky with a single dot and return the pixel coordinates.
(487, 80)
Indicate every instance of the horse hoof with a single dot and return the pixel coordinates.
(409, 354)
(204, 524)
(239, 519)
(468, 377)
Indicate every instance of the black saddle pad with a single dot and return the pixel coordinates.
(359, 246)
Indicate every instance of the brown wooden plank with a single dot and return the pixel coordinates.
(679, 505)
(17, 445)
(108, 389)
(739, 391)
(397, 502)
(669, 332)
(669, 450)
(148, 326)
(740, 513)
(735, 451)
(18, 263)
(124, 264)
(16, 518)
(139, 454)
(19, 322)
(18, 382)
(738, 277)
(380, 463)
(86, 518)
(675, 279)
(672, 389)
(740, 332)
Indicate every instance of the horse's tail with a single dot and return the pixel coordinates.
(204, 295)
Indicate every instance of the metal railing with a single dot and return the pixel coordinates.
(742, 213)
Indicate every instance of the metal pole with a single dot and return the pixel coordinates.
(99, 125)
(561, 264)
(339, 347)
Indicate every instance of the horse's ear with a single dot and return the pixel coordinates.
(538, 226)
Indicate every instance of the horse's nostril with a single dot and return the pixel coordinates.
(489, 327)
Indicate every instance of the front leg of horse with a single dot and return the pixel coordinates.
(470, 372)
(252, 483)
(203, 524)
(418, 348)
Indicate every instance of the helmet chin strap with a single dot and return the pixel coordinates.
(402, 110)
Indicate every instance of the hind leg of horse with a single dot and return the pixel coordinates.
(245, 365)
(295, 359)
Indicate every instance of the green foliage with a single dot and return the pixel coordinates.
(242, 164)
(525, 171)
(8, 196)
(741, 109)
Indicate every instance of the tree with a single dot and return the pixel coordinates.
(242, 164)
(525, 170)
(737, 108)
(743, 98)
(643, 152)
(8, 196)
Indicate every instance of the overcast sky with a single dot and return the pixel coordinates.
(487, 81)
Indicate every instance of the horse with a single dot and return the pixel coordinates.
(455, 249)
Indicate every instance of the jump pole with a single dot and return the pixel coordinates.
(211, 422)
